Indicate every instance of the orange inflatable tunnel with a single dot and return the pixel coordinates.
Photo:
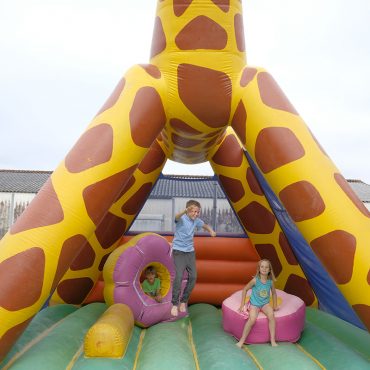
(224, 266)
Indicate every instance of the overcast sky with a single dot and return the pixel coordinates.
(61, 59)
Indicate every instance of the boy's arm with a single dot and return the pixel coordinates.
(158, 291)
(209, 229)
(178, 215)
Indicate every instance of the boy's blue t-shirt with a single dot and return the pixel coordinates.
(184, 233)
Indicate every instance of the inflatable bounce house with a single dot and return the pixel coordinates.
(197, 100)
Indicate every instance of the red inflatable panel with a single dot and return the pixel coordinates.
(226, 272)
(224, 266)
(213, 293)
(225, 249)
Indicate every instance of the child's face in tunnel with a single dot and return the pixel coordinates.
(150, 276)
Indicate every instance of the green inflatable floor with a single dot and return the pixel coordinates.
(54, 341)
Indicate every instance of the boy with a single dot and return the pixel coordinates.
(152, 285)
(183, 252)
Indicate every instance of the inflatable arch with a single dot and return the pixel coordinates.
(196, 101)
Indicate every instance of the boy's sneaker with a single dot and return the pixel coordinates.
(182, 307)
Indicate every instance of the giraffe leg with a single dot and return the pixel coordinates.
(330, 217)
(87, 266)
(254, 212)
(45, 240)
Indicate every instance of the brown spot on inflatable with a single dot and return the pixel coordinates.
(153, 160)
(272, 95)
(253, 182)
(180, 6)
(182, 128)
(201, 33)
(21, 279)
(268, 251)
(100, 196)
(110, 230)
(300, 287)
(103, 260)
(94, 147)
(224, 5)
(257, 218)
(342, 182)
(239, 32)
(44, 210)
(210, 143)
(287, 250)
(239, 122)
(336, 250)
(363, 311)
(147, 117)
(133, 205)
(302, 201)
(206, 93)
(74, 291)
(159, 38)
(211, 134)
(85, 258)
(71, 248)
(127, 187)
(229, 153)
(233, 188)
(152, 70)
(10, 336)
(112, 100)
(185, 142)
(275, 147)
(247, 76)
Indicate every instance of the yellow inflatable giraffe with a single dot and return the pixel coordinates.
(196, 101)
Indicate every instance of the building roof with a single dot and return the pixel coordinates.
(170, 186)
(20, 181)
(167, 186)
(361, 189)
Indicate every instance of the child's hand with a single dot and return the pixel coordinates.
(213, 233)
(240, 309)
(276, 308)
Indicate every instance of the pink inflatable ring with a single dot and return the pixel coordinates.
(289, 319)
(122, 274)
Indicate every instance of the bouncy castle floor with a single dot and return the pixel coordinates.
(54, 340)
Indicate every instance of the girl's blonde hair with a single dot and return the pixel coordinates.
(271, 274)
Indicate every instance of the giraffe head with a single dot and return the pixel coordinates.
(198, 45)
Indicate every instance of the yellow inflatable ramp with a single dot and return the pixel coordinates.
(110, 335)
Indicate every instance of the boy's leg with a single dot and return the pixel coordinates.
(192, 278)
(180, 265)
(269, 312)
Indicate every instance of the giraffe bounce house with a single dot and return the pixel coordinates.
(197, 100)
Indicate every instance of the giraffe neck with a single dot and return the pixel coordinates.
(203, 32)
